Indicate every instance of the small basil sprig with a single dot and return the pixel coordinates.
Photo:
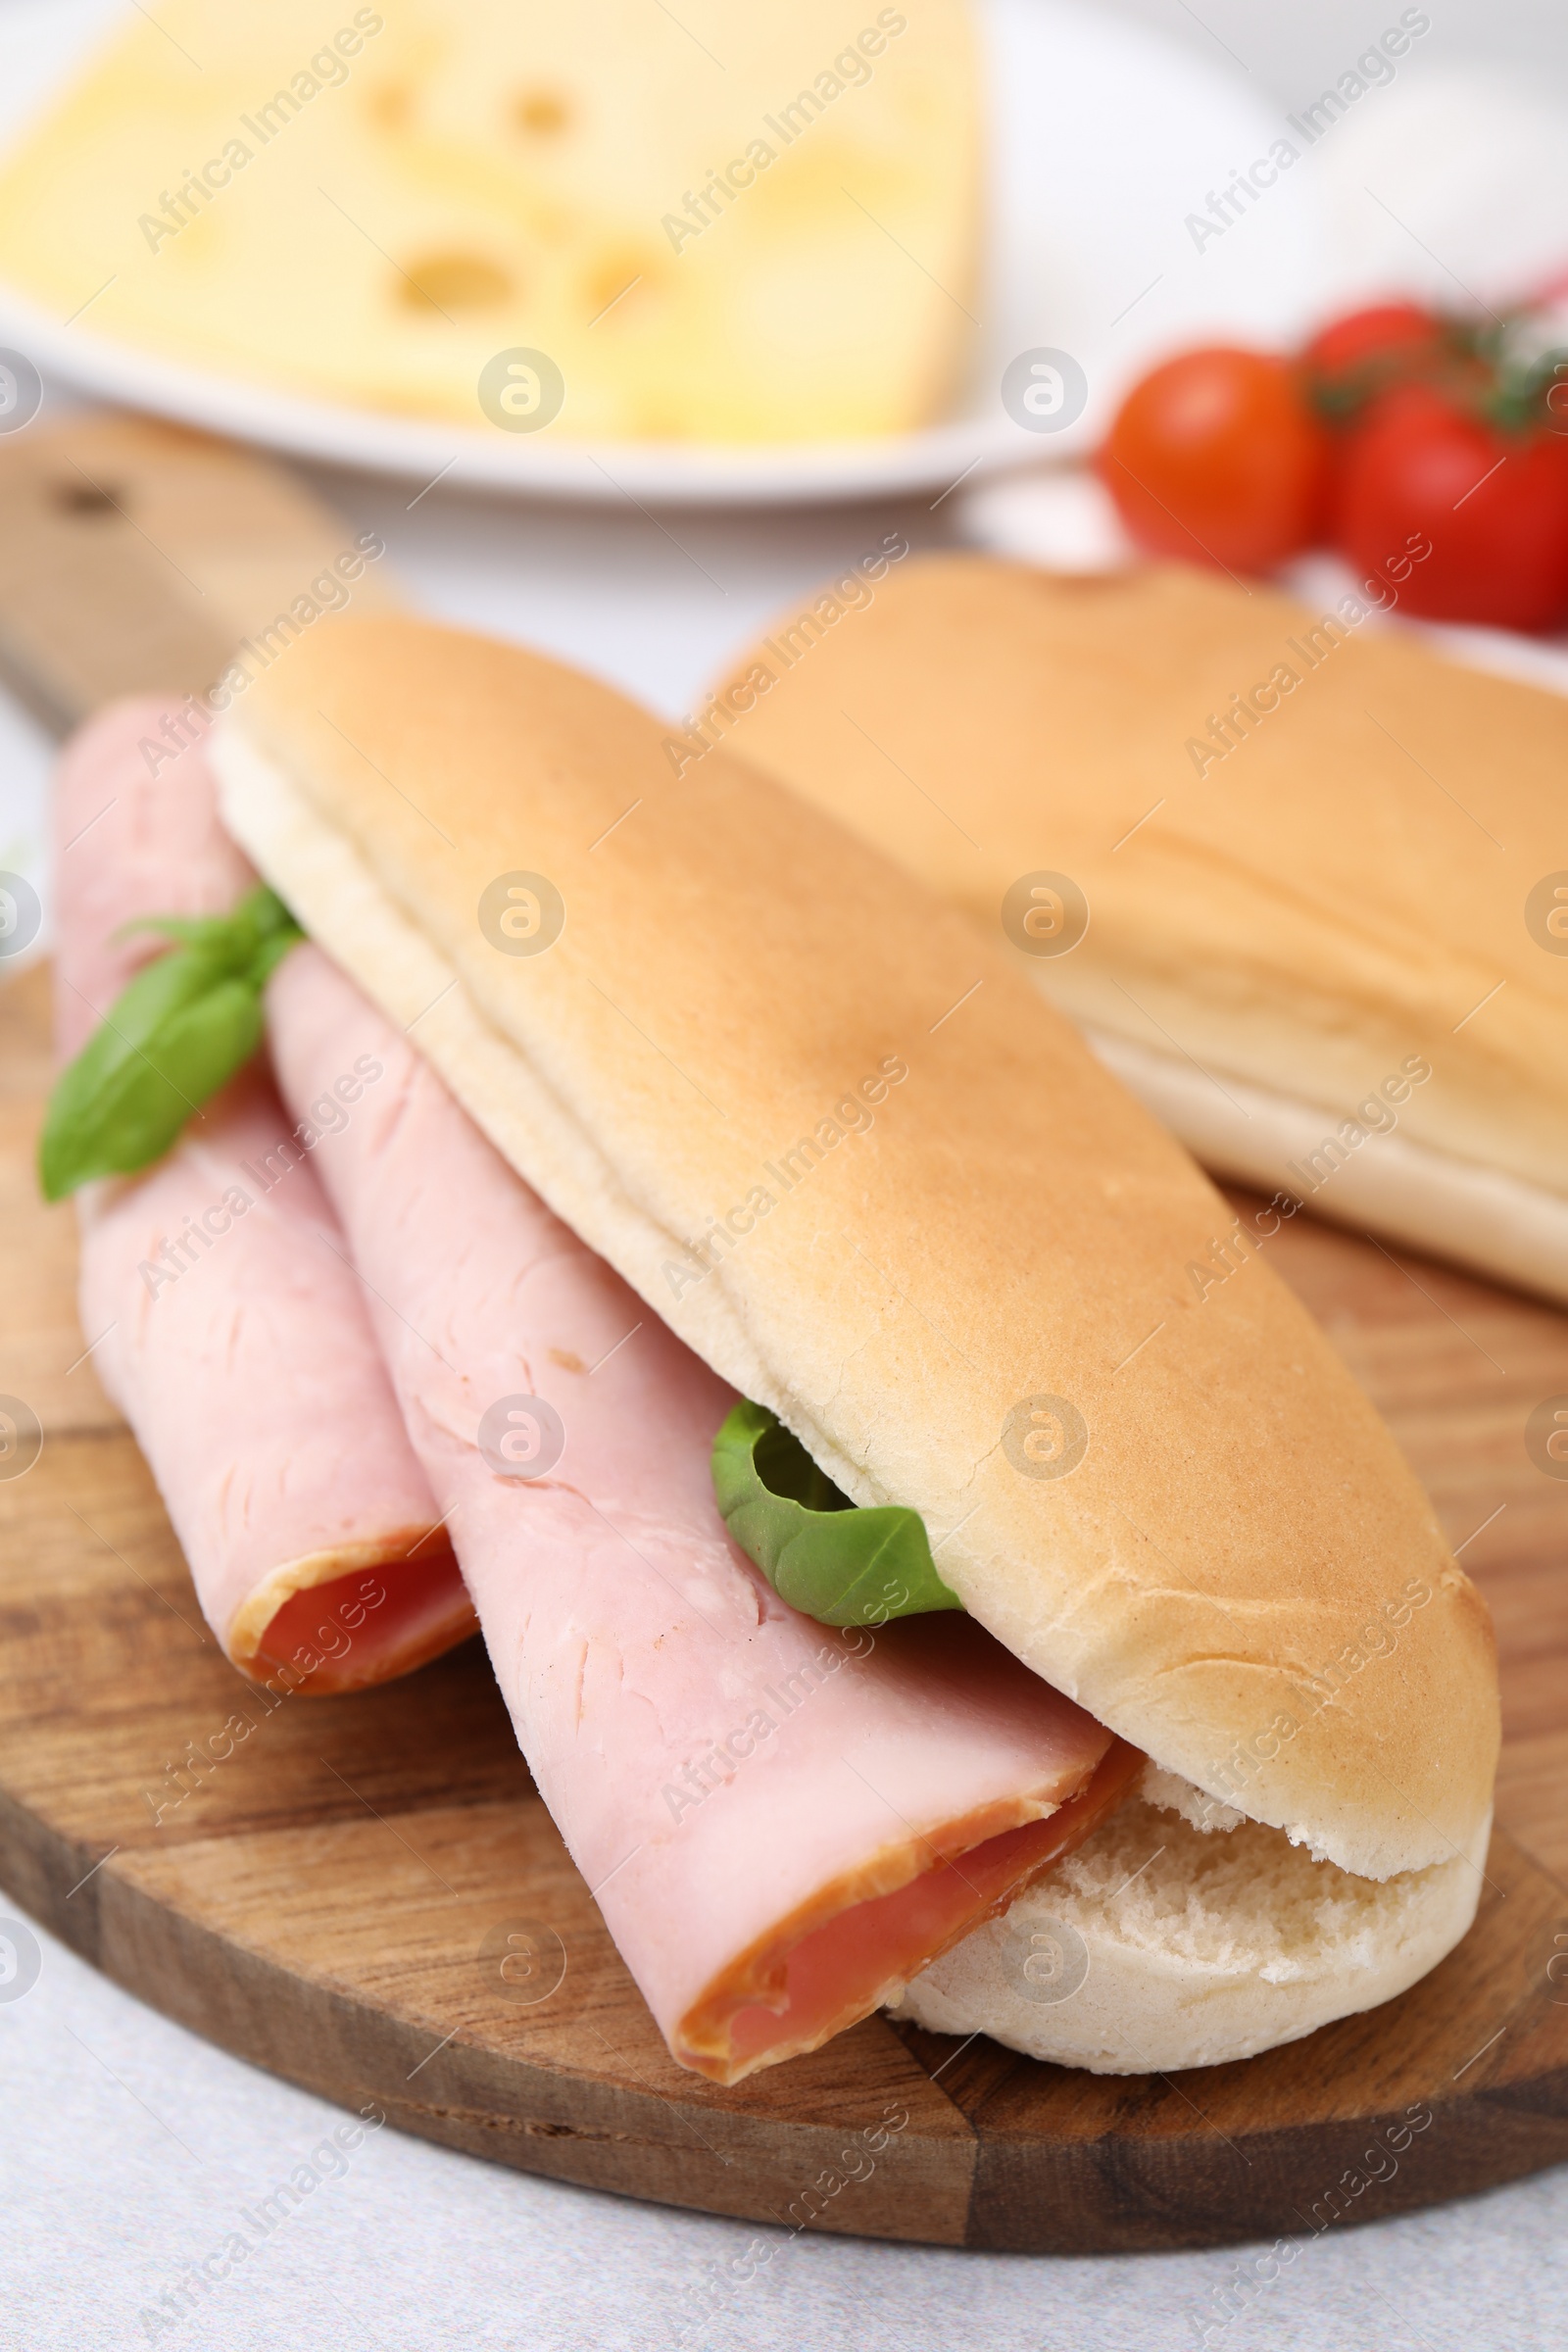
(183, 1025)
(827, 1558)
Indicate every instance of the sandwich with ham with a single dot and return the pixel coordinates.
(884, 1789)
(216, 1295)
(906, 1589)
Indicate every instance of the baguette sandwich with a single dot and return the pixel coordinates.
(843, 1149)
(1302, 885)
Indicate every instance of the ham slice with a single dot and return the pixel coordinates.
(781, 1822)
(225, 1320)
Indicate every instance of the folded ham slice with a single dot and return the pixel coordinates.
(782, 1824)
(226, 1322)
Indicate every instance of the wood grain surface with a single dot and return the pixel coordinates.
(135, 555)
(332, 1896)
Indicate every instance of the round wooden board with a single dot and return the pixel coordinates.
(329, 1899)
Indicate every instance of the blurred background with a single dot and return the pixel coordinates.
(1294, 50)
(1111, 125)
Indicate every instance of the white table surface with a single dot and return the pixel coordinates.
(127, 2145)
(129, 2148)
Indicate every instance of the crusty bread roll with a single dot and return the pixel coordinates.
(852, 1158)
(1324, 873)
(1162, 1942)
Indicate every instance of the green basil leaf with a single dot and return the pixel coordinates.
(177, 1032)
(269, 954)
(827, 1558)
(257, 932)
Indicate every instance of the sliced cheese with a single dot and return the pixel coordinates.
(714, 225)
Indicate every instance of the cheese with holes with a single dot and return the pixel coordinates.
(718, 223)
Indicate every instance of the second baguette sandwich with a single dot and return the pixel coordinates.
(1304, 885)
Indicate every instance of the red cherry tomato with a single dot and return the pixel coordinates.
(1492, 508)
(1217, 457)
(1353, 361)
(1387, 331)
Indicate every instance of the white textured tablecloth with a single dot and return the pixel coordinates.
(129, 2152)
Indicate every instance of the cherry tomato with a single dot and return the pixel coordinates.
(1216, 457)
(1422, 467)
(1386, 334)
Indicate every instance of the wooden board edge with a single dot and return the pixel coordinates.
(975, 2188)
(544, 2119)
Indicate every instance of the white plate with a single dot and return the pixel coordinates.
(1104, 137)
